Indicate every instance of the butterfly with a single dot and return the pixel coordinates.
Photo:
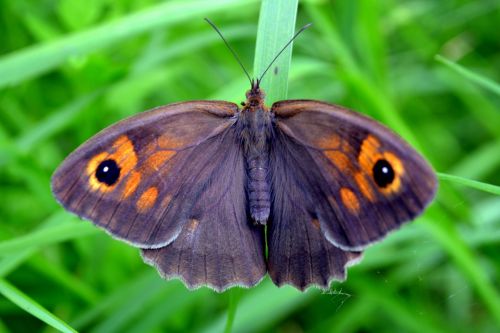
(201, 187)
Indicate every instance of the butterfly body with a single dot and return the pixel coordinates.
(255, 127)
(194, 184)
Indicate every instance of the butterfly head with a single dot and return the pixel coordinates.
(255, 97)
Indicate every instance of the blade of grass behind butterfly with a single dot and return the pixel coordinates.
(45, 236)
(479, 163)
(33, 61)
(471, 76)
(264, 306)
(276, 27)
(19, 298)
(14, 260)
(354, 76)
(470, 183)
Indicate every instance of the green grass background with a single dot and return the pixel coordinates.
(427, 69)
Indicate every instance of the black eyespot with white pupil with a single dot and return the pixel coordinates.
(383, 173)
(108, 172)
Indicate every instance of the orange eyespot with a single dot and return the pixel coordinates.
(383, 173)
(106, 169)
(384, 168)
(107, 172)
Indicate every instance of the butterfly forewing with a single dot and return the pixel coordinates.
(363, 180)
(140, 178)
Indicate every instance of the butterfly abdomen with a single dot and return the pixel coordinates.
(258, 188)
(255, 132)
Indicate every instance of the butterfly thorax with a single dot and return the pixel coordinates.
(255, 128)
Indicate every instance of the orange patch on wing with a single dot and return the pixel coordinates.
(157, 159)
(124, 154)
(369, 153)
(340, 160)
(349, 200)
(169, 141)
(328, 142)
(147, 199)
(132, 182)
(364, 186)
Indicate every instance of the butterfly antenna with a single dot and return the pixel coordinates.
(283, 50)
(230, 49)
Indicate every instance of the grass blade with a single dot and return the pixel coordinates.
(276, 27)
(471, 183)
(29, 305)
(476, 78)
(234, 297)
(46, 236)
(33, 61)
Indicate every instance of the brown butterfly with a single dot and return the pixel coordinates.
(194, 184)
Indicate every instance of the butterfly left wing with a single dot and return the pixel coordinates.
(174, 175)
(358, 180)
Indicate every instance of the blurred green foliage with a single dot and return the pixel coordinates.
(69, 68)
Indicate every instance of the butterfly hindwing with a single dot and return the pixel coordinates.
(363, 180)
(218, 246)
(299, 253)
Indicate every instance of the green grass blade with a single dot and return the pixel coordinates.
(47, 236)
(234, 297)
(54, 122)
(470, 183)
(476, 78)
(33, 61)
(476, 164)
(115, 299)
(464, 258)
(29, 305)
(262, 307)
(65, 279)
(276, 27)
(12, 261)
